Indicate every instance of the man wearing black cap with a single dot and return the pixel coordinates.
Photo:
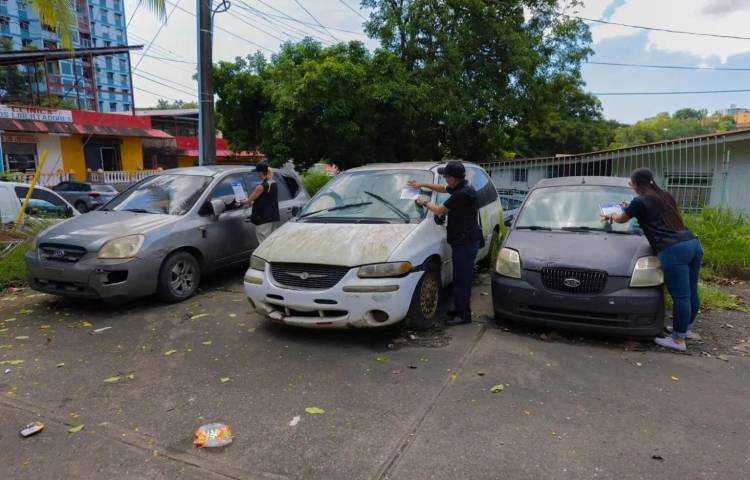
(464, 232)
(265, 202)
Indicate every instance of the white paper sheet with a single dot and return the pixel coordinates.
(409, 193)
(240, 194)
(610, 209)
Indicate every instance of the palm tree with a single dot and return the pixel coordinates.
(62, 15)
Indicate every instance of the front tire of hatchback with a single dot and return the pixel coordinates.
(179, 277)
(425, 303)
(81, 206)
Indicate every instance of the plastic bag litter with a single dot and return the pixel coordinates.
(213, 435)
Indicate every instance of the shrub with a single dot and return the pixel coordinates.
(314, 181)
(725, 235)
(13, 266)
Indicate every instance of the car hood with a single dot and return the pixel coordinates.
(614, 253)
(347, 245)
(92, 230)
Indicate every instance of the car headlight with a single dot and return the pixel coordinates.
(508, 263)
(257, 263)
(381, 270)
(123, 247)
(647, 273)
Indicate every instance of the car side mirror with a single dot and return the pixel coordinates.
(296, 210)
(508, 221)
(439, 219)
(218, 207)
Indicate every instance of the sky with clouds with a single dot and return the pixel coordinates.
(252, 25)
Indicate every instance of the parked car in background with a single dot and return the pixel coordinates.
(362, 253)
(86, 196)
(159, 236)
(561, 266)
(43, 203)
(511, 204)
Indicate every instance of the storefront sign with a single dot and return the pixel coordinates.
(12, 112)
(19, 139)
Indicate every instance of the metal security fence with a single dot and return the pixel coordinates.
(699, 171)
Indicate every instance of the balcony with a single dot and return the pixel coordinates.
(46, 179)
(120, 176)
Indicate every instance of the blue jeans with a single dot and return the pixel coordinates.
(463, 277)
(681, 263)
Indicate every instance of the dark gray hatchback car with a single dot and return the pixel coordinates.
(561, 266)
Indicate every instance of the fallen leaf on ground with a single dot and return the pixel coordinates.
(10, 319)
(170, 352)
(76, 429)
(86, 324)
(453, 377)
(675, 379)
(112, 379)
(232, 315)
(60, 365)
(225, 379)
(526, 412)
(315, 411)
(380, 358)
(120, 378)
(25, 311)
(198, 315)
(43, 327)
(723, 357)
(12, 362)
(22, 337)
(207, 342)
(396, 371)
(497, 388)
(295, 421)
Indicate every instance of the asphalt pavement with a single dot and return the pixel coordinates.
(395, 406)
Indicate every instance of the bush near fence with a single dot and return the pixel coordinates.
(725, 235)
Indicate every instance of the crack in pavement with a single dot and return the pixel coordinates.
(204, 464)
(389, 466)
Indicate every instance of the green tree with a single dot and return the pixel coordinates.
(163, 104)
(14, 85)
(686, 122)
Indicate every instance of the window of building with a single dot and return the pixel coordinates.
(123, 65)
(5, 23)
(85, 39)
(118, 19)
(123, 79)
(101, 105)
(8, 39)
(112, 90)
(107, 43)
(49, 44)
(112, 107)
(521, 175)
(27, 42)
(103, 16)
(48, 28)
(691, 191)
(65, 67)
(110, 77)
(21, 4)
(4, 3)
(24, 26)
(126, 107)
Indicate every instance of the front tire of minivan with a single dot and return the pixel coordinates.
(179, 277)
(425, 303)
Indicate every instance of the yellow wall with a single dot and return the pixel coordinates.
(186, 162)
(71, 149)
(742, 119)
(131, 152)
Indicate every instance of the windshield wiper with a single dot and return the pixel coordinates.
(595, 229)
(393, 207)
(532, 227)
(340, 207)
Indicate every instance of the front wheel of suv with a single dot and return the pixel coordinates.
(425, 303)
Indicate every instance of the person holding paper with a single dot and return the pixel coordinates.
(464, 232)
(265, 202)
(679, 251)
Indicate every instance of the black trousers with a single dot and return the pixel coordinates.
(463, 277)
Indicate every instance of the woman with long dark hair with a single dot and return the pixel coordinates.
(679, 251)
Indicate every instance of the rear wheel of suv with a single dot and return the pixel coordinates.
(179, 277)
(81, 206)
(425, 302)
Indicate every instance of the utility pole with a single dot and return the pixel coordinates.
(207, 130)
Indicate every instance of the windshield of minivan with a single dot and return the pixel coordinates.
(572, 207)
(163, 194)
(370, 194)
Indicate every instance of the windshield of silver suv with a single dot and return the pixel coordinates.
(574, 208)
(161, 194)
(369, 194)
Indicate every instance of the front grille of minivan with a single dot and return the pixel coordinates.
(307, 276)
(61, 253)
(565, 279)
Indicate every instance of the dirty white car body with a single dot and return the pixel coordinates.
(364, 265)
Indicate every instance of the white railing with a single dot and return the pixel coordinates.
(45, 179)
(120, 176)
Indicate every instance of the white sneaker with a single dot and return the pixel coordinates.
(669, 342)
(691, 335)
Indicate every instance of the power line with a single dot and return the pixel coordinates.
(316, 20)
(170, 59)
(675, 67)
(697, 92)
(353, 9)
(242, 18)
(155, 94)
(268, 18)
(658, 29)
(162, 83)
(301, 22)
(158, 31)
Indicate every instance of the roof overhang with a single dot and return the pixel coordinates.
(21, 57)
(64, 129)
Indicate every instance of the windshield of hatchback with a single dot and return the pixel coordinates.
(370, 194)
(161, 194)
(573, 207)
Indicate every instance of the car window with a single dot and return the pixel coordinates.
(61, 187)
(280, 183)
(484, 187)
(233, 186)
(573, 206)
(291, 184)
(44, 203)
(171, 194)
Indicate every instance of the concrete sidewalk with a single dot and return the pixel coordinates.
(393, 408)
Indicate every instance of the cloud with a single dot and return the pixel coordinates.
(611, 8)
(723, 7)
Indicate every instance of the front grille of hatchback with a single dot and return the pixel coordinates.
(573, 280)
(61, 253)
(307, 276)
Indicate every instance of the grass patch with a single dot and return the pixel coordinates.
(713, 297)
(725, 235)
(314, 180)
(13, 266)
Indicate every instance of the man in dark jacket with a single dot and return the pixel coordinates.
(464, 233)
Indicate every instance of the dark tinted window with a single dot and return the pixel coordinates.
(44, 204)
(280, 183)
(291, 184)
(61, 187)
(482, 184)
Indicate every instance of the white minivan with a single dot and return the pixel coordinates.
(361, 253)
